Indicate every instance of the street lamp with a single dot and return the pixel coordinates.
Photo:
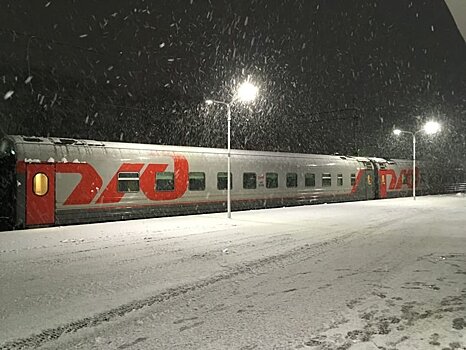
(429, 128)
(246, 92)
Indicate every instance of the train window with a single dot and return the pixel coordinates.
(196, 181)
(165, 181)
(353, 179)
(339, 179)
(40, 184)
(222, 181)
(249, 181)
(128, 182)
(309, 180)
(326, 180)
(291, 180)
(404, 179)
(368, 165)
(271, 180)
(32, 139)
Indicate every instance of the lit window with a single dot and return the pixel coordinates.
(369, 180)
(40, 184)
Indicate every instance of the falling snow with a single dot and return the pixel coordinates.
(8, 95)
(332, 77)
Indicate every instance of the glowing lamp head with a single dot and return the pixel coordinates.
(432, 127)
(209, 102)
(247, 92)
(397, 132)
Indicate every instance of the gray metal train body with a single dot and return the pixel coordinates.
(56, 181)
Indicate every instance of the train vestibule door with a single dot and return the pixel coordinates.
(40, 194)
(370, 184)
(383, 184)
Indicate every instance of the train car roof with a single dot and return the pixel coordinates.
(29, 142)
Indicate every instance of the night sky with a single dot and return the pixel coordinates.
(334, 76)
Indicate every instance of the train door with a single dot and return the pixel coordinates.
(370, 179)
(40, 194)
(382, 184)
(370, 192)
(387, 180)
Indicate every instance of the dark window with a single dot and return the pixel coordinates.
(404, 179)
(309, 180)
(196, 181)
(326, 180)
(165, 181)
(128, 182)
(271, 180)
(32, 139)
(368, 165)
(353, 179)
(222, 181)
(340, 180)
(249, 181)
(291, 180)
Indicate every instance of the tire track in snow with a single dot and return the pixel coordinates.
(296, 254)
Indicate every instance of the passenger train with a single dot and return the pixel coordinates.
(59, 181)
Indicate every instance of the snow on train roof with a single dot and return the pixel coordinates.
(55, 141)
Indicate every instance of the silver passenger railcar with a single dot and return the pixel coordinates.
(55, 181)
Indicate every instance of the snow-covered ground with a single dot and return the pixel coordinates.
(387, 274)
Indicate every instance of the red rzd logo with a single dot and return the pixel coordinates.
(91, 182)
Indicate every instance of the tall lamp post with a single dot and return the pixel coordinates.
(429, 128)
(246, 92)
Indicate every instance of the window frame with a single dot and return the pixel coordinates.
(312, 176)
(340, 180)
(123, 179)
(245, 181)
(203, 181)
(226, 180)
(268, 181)
(294, 178)
(40, 179)
(326, 179)
(160, 188)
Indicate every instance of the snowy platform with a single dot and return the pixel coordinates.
(386, 274)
